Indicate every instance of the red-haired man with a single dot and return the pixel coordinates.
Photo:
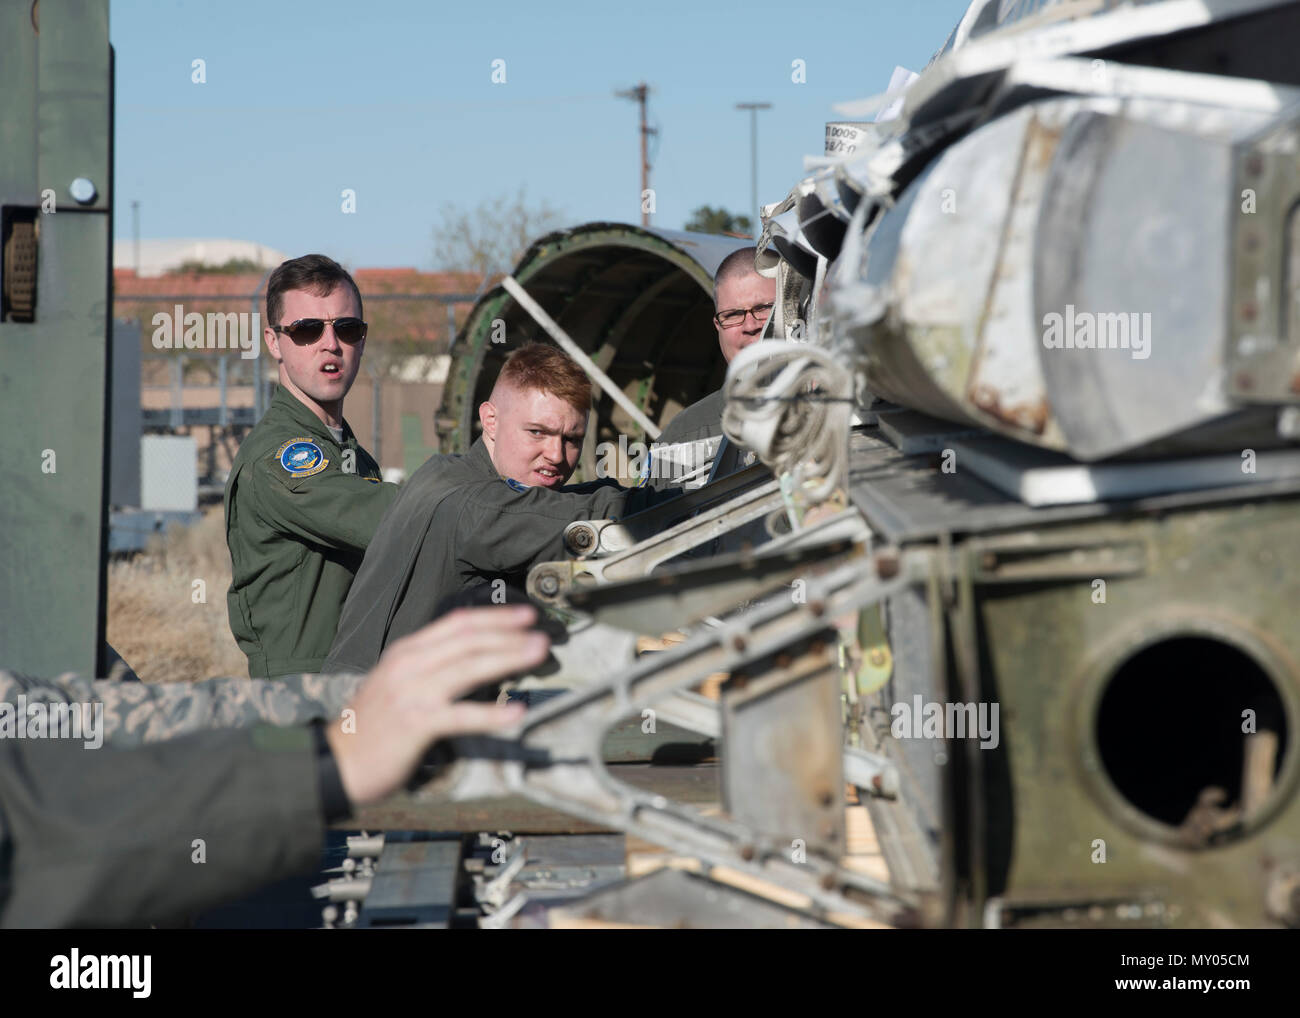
(462, 521)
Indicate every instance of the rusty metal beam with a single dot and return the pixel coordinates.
(694, 785)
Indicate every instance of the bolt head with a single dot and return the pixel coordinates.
(82, 190)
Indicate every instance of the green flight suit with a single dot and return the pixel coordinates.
(107, 837)
(700, 420)
(683, 453)
(456, 524)
(297, 524)
(98, 826)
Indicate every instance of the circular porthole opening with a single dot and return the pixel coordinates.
(1193, 734)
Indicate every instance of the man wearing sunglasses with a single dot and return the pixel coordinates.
(303, 498)
(743, 301)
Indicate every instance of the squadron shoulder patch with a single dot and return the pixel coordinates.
(516, 485)
(301, 457)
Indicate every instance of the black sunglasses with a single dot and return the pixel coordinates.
(308, 330)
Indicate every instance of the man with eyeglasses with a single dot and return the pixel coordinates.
(303, 498)
(743, 300)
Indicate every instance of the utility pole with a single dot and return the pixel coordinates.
(135, 229)
(753, 159)
(638, 95)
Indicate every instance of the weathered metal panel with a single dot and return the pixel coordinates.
(675, 900)
(414, 886)
(783, 767)
(697, 785)
(1062, 801)
(53, 369)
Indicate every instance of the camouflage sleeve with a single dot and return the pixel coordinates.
(138, 712)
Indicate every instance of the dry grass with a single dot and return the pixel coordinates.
(153, 619)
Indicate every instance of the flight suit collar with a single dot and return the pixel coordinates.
(297, 412)
(481, 460)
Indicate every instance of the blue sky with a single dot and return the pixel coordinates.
(394, 99)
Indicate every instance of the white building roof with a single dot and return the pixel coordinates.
(158, 257)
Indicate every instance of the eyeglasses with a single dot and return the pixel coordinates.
(726, 319)
(308, 330)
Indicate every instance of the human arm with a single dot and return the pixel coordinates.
(333, 508)
(111, 837)
(503, 530)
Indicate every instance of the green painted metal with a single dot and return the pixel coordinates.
(557, 260)
(1230, 574)
(56, 127)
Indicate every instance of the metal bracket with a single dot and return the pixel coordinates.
(625, 558)
(1263, 356)
(554, 756)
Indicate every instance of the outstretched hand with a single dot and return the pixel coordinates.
(412, 698)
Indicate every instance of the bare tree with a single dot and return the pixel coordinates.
(490, 238)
